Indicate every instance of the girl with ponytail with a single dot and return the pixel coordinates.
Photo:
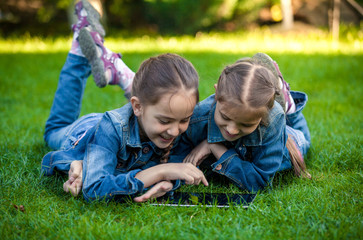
(252, 127)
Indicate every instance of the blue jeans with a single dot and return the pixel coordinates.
(296, 124)
(63, 124)
(297, 127)
(112, 156)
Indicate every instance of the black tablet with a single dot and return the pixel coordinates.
(189, 199)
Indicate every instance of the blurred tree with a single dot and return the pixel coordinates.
(288, 16)
(169, 16)
(336, 20)
(248, 13)
(184, 16)
(33, 16)
(49, 17)
(125, 14)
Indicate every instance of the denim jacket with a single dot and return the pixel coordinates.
(250, 161)
(112, 155)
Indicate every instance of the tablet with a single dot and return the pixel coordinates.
(190, 199)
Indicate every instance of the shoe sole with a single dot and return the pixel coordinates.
(89, 49)
(266, 61)
(93, 17)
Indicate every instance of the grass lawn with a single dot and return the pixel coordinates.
(330, 206)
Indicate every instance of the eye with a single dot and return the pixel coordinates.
(185, 120)
(164, 122)
(225, 117)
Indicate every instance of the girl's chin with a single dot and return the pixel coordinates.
(229, 139)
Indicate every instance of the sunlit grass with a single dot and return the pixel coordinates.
(260, 41)
(327, 207)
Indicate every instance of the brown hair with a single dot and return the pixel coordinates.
(249, 84)
(166, 73)
(297, 159)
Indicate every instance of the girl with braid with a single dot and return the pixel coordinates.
(252, 127)
(130, 151)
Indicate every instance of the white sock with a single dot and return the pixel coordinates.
(290, 100)
(125, 73)
(292, 107)
(75, 48)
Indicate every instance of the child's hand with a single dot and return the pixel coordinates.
(74, 182)
(156, 191)
(199, 153)
(184, 171)
(172, 171)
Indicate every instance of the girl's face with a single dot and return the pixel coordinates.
(234, 122)
(167, 119)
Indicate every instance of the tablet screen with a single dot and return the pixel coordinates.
(188, 199)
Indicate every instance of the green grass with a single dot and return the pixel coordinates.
(330, 206)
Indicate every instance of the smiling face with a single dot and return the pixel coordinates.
(244, 94)
(235, 122)
(162, 122)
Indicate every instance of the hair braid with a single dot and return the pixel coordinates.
(165, 157)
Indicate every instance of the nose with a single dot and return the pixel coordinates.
(173, 130)
(232, 128)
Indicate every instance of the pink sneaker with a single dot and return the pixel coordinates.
(265, 60)
(91, 43)
(285, 89)
(87, 16)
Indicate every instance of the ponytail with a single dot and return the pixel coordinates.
(297, 159)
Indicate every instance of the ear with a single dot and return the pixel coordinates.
(136, 106)
(215, 87)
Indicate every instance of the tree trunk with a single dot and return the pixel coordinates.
(288, 16)
(336, 20)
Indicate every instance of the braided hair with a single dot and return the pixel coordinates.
(250, 84)
(165, 156)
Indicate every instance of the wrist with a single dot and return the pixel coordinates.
(161, 172)
(218, 149)
(150, 176)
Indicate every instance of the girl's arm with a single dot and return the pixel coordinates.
(74, 182)
(99, 164)
(254, 170)
(156, 191)
(172, 171)
(167, 172)
(100, 161)
(203, 150)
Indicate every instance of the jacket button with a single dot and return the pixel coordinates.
(145, 150)
(219, 167)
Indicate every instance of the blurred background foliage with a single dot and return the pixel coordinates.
(168, 17)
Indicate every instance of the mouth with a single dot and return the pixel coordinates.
(230, 135)
(165, 139)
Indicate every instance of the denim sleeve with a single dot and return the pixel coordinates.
(50, 163)
(61, 160)
(99, 180)
(256, 174)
